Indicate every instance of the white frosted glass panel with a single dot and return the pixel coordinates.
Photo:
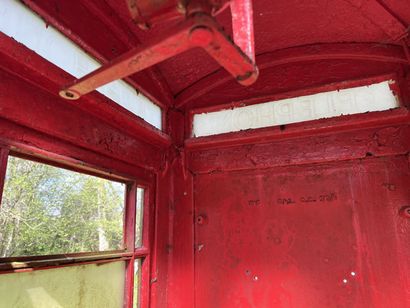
(26, 27)
(85, 286)
(375, 97)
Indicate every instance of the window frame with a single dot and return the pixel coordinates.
(129, 254)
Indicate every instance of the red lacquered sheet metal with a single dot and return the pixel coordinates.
(309, 236)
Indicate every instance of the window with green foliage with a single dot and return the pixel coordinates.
(137, 283)
(48, 210)
(139, 209)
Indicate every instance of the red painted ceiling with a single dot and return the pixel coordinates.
(106, 30)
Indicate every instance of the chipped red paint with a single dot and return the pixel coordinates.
(181, 246)
(116, 38)
(283, 71)
(30, 142)
(285, 216)
(304, 129)
(304, 236)
(18, 60)
(380, 15)
(148, 239)
(373, 21)
(242, 26)
(357, 144)
(44, 113)
(259, 238)
(129, 240)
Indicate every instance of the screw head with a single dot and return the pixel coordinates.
(200, 220)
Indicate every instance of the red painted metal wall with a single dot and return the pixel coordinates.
(35, 123)
(275, 217)
(308, 236)
(308, 222)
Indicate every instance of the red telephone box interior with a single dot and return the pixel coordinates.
(310, 214)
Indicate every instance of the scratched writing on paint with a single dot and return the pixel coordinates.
(328, 197)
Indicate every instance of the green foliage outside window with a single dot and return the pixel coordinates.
(48, 210)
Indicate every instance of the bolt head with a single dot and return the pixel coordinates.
(68, 94)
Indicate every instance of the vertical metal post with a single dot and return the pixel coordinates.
(129, 240)
(4, 153)
(147, 237)
(242, 25)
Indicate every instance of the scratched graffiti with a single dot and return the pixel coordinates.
(285, 201)
(254, 202)
(323, 198)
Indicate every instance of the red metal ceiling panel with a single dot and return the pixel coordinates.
(283, 24)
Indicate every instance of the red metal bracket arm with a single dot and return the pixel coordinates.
(199, 30)
(211, 37)
(131, 62)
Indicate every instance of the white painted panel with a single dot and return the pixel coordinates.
(375, 97)
(26, 27)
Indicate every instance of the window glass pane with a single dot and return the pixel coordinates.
(137, 283)
(70, 286)
(139, 217)
(91, 286)
(375, 97)
(49, 210)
